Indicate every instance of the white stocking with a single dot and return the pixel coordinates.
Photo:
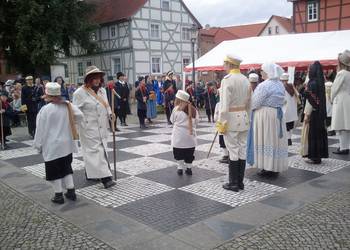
(180, 164)
(68, 181)
(57, 185)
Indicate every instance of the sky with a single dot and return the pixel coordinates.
(236, 12)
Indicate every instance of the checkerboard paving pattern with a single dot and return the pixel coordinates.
(212, 189)
(148, 188)
(127, 190)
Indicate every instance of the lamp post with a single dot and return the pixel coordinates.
(194, 35)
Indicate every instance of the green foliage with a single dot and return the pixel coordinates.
(33, 32)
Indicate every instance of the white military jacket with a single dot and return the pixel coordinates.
(234, 101)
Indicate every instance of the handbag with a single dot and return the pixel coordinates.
(24, 108)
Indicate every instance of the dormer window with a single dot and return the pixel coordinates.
(312, 11)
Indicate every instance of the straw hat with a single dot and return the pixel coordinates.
(53, 89)
(182, 95)
(344, 58)
(92, 70)
(29, 78)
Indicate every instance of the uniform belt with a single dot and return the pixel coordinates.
(237, 108)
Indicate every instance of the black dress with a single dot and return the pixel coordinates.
(315, 94)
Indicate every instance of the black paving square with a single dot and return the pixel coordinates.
(199, 142)
(286, 179)
(336, 156)
(16, 145)
(148, 129)
(127, 143)
(80, 180)
(199, 155)
(26, 160)
(175, 210)
(169, 177)
(122, 156)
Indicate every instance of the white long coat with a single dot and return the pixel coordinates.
(291, 114)
(340, 97)
(93, 132)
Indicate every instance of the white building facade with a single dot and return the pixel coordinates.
(152, 41)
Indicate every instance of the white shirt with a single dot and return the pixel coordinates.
(53, 135)
(180, 137)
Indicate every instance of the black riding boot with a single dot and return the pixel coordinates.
(233, 176)
(241, 174)
(58, 198)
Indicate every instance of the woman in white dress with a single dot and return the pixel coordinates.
(267, 142)
(92, 100)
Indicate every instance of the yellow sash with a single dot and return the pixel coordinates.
(97, 97)
(72, 122)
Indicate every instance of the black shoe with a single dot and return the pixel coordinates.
(58, 198)
(313, 161)
(233, 188)
(289, 142)
(109, 184)
(341, 152)
(70, 194)
(263, 172)
(117, 129)
(143, 126)
(331, 133)
(169, 123)
(188, 171)
(179, 172)
(225, 159)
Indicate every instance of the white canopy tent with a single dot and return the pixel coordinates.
(295, 50)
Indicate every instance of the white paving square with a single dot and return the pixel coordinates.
(212, 189)
(125, 191)
(212, 164)
(143, 165)
(208, 137)
(327, 165)
(39, 169)
(155, 138)
(165, 130)
(205, 148)
(149, 149)
(210, 129)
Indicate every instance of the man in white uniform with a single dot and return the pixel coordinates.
(233, 120)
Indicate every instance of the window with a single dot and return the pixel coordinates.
(93, 36)
(113, 33)
(186, 34)
(269, 31)
(155, 65)
(312, 11)
(80, 69)
(66, 74)
(88, 63)
(165, 5)
(277, 29)
(117, 65)
(185, 62)
(155, 31)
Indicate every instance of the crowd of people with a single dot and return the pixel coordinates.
(255, 114)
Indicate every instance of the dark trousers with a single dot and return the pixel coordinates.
(142, 114)
(168, 111)
(31, 119)
(122, 118)
(210, 114)
(222, 141)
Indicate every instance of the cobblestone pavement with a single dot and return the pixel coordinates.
(324, 224)
(26, 225)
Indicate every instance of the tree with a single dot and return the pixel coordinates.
(33, 32)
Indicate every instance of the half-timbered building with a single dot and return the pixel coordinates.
(138, 37)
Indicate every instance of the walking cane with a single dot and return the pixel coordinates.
(211, 110)
(216, 134)
(113, 132)
(2, 128)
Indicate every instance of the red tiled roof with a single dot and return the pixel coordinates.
(244, 31)
(108, 11)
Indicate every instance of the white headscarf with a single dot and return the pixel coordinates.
(272, 70)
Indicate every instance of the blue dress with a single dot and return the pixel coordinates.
(151, 101)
